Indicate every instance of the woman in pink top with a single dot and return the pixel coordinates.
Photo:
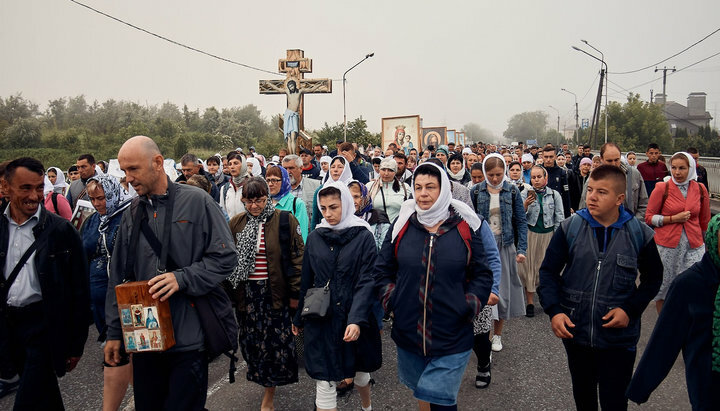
(52, 198)
(679, 209)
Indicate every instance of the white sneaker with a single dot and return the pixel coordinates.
(496, 343)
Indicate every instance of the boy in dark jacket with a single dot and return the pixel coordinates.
(588, 288)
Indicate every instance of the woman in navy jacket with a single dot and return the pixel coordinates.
(431, 273)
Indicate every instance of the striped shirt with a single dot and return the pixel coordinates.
(261, 263)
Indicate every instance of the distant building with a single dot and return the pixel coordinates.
(690, 118)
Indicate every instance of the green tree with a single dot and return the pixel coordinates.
(635, 124)
(526, 126)
(476, 133)
(15, 108)
(23, 133)
(181, 146)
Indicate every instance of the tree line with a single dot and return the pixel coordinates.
(69, 126)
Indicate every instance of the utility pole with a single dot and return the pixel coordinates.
(651, 96)
(665, 70)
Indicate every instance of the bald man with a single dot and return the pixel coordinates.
(201, 254)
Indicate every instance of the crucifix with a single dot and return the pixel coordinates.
(294, 86)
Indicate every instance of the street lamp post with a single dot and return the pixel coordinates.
(577, 116)
(367, 56)
(602, 60)
(558, 121)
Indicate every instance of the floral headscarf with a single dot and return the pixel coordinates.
(711, 248)
(116, 198)
(366, 204)
(285, 185)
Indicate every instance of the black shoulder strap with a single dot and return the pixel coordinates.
(5, 284)
(294, 205)
(284, 237)
(53, 197)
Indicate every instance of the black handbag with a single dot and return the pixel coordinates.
(317, 302)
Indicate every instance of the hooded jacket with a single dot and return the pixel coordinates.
(597, 273)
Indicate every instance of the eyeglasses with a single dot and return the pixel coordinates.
(256, 202)
(273, 180)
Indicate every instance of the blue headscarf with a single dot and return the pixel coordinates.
(285, 186)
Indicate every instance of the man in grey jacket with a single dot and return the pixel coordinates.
(201, 254)
(636, 197)
(301, 187)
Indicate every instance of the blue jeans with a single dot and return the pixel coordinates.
(433, 379)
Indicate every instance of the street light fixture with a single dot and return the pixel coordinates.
(577, 116)
(367, 56)
(602, 61)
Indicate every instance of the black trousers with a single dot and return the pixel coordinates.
(29, 345)
(609, 369)
(170, 380)
(482, 346)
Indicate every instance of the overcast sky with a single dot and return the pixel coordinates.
(451, 62)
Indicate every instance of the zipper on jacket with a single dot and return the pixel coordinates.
(427, 281)
(592, 307)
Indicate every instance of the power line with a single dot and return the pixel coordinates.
(173, 41)
(675, 72)
(674, 55)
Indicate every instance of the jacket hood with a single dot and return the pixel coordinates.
(624, 217)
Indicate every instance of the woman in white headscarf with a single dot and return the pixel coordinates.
(433, 274)
(679, 209)
(339, 171)
(500, 203)
(57, 178)
(254, 168)
(324, 165)
(340, 255)
(388, 192)
(56, 202)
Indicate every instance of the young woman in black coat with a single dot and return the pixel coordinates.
(340, 253)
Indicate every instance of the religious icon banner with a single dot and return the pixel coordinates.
(404, 131)
(146, 322)
(433, 136)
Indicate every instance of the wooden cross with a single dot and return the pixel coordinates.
(295, 65)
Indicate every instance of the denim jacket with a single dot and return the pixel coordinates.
(553, 212)
(511, 211)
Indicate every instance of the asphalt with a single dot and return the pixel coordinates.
(529, 373)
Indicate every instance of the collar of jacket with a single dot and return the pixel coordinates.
(623, 218)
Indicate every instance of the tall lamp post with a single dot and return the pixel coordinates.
(577, 116)
(367, 56)
(558, 121)
(602, 61)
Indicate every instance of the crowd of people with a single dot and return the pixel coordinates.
(318, 253)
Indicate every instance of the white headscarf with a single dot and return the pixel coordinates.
(256, 169)
(60, 183)
(692, 172)
(348, 218)
(439, 211)
(324, 159)
(346, 175)
(48, 187)
(499, 186)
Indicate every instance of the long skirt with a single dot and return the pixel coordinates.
(530, 269)
(266, 338)
(676, 260)
(512, 295)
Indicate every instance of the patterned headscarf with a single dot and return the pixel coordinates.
(711, 248)
(115, 195)
(248, 244)
(366, 204)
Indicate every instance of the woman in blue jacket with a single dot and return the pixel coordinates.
(98, 235)
(500, 203)
(340, 253)
(432, 274)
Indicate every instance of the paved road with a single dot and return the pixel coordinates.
(529, 373)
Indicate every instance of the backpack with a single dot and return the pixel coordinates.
(53, 197)
(463, 229)
(214, 309)
(633, 226)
